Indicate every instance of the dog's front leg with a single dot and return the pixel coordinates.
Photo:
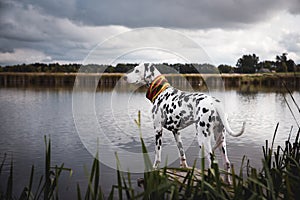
(158, 146)
(182, 157)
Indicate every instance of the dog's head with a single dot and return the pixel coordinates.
(141, 74)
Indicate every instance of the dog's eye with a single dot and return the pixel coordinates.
(137, 71)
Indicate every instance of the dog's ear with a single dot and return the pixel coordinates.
(146, 65)
(152, 68)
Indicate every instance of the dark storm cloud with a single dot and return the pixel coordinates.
(165, 13)
(294, 6)
(68, 29)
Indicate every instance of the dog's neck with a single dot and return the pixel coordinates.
(153, 76)
(157, 86)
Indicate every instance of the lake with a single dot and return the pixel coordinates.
(77, 128)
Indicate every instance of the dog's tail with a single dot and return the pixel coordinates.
(224, 120)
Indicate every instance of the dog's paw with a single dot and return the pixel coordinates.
(184, 165)
(156, 165)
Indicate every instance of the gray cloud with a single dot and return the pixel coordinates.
(291, 42)
(293, 6)
(67, 30)
(166, 13)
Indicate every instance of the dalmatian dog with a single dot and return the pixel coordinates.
(174, 110)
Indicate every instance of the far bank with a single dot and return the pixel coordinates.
(110, 80)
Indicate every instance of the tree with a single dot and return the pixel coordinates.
(281, 63)
(285, 65)
(291, 66)
(225, 68)
(247, 64)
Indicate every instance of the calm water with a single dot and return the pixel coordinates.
(26, 115)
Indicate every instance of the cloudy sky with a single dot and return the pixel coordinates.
(67, 31)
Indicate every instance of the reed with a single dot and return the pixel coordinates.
(279, 178)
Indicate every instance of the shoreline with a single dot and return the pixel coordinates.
(196, 81)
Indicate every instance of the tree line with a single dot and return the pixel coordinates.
(246, 64)
(251, 64)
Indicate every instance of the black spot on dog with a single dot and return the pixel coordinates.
(197, 121)
(202, 123)
(223, 149)
(153, 109)
(186, 99)
(198, 101)
(209, 118)
(179, 103)
(180, 145)
(181, 152)
(198, 110)
(159, 101)
(213, 118)
(170, 121)
(190, 106)
(167, 96)
(137, 71)
(205, 134)
(204, 110)
(186, 118)
(174, 98)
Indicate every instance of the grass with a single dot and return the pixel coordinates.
(279, 178)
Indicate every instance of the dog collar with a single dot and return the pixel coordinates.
(158, 85)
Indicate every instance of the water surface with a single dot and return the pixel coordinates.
(26, 115)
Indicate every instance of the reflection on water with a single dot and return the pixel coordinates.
(29, 114)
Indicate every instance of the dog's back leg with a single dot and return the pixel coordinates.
(204, 140)
(221, 144)
(182, 157)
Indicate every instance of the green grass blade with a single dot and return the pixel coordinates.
(9, 189)
(78, 192)
(29, 193)
(2, 164)
(47, 168)
(97, 176)
(119, 179)
(39, 189)
(147, 161)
